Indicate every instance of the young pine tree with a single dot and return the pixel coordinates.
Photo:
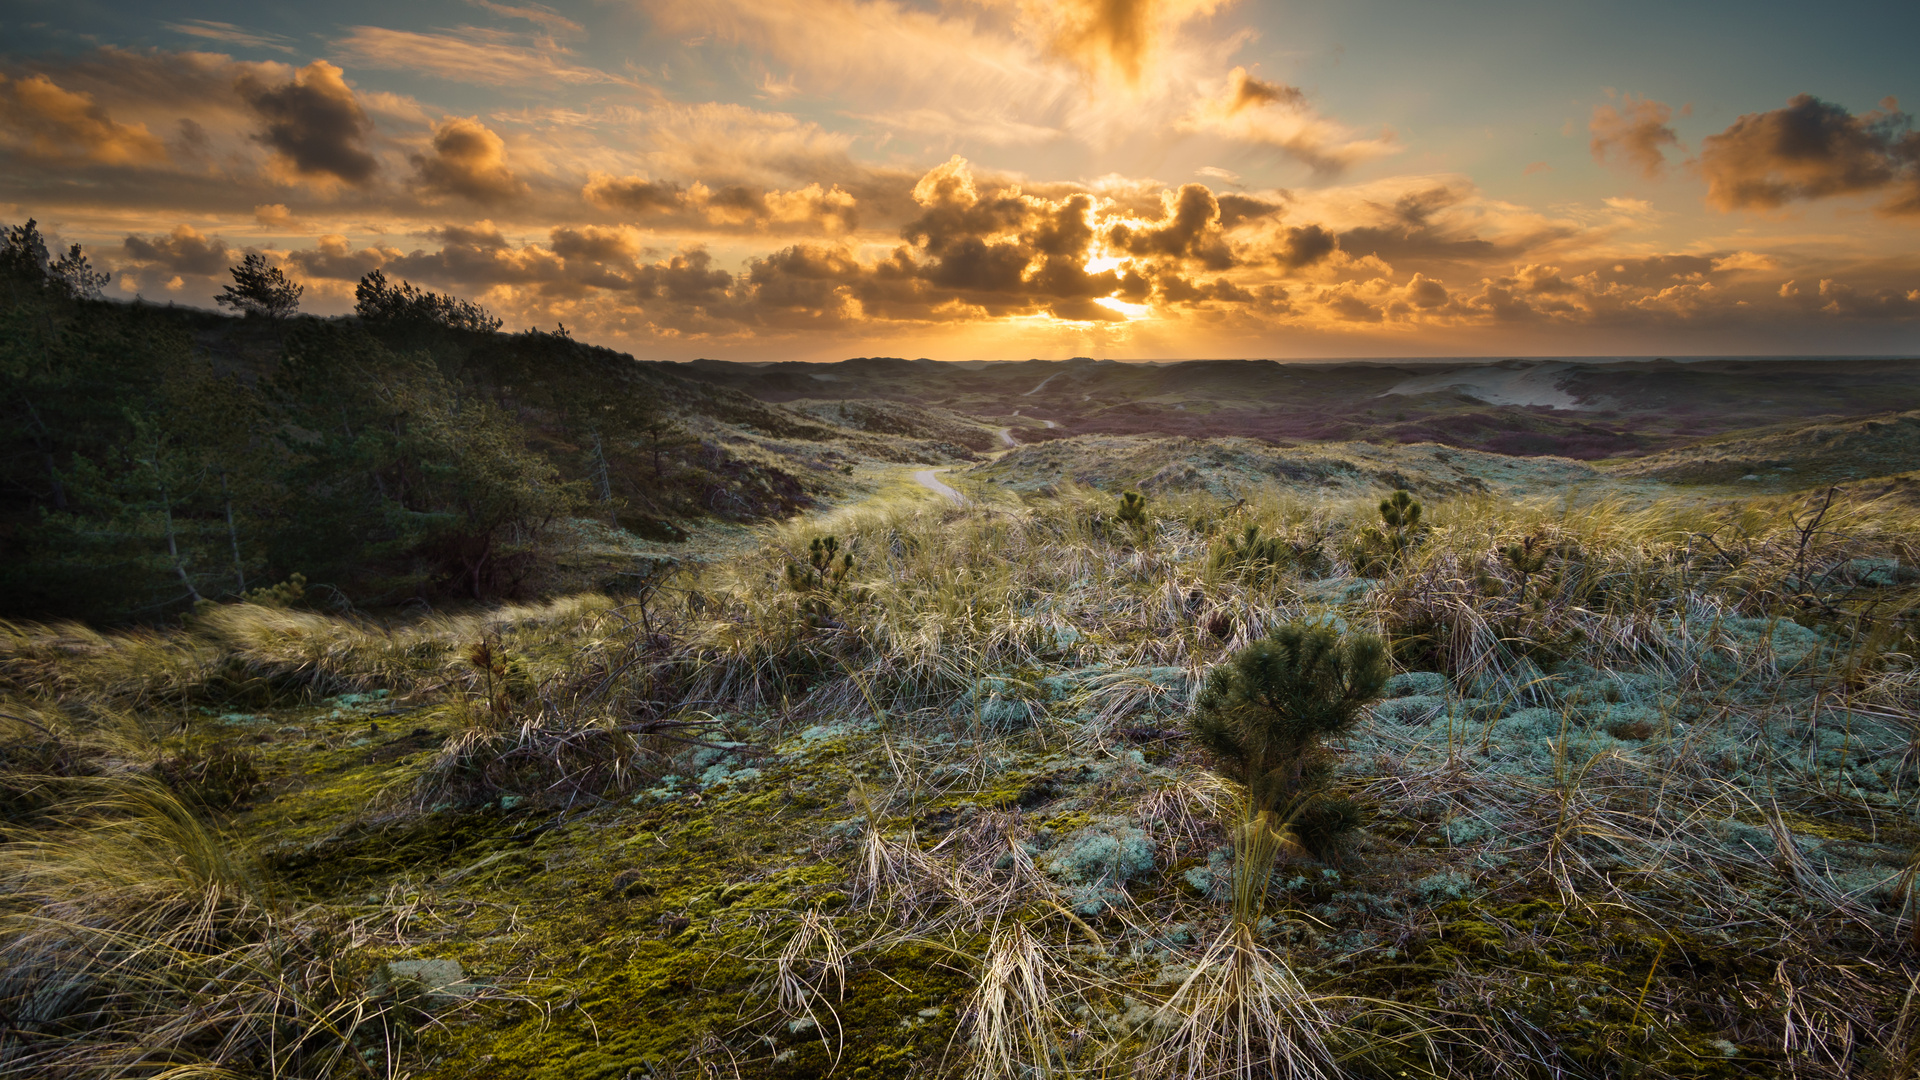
(1132, 513)
(1262, 717)
(1380, 549)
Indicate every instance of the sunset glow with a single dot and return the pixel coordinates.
(766, 179)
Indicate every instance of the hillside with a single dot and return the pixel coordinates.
(156, 458)
(1579, 409)
(1791, 455)
(1233, 468)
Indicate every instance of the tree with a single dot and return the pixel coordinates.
(378, 302)
(259, 288)
(28, 270)
(1262, 716)
(72, 274)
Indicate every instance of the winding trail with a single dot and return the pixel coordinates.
(1043, 382)
(1006, 437)
(926, 479)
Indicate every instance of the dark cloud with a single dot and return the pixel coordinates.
(1657, 270)
(687, 279)
(1812, 149)
(313, 123)
(831, 209)
(1172, 288)
(1408, 231)
(1347, 307)
(1236, 210)
(1302, 246)
(1633, 133)
(481, 235)
(468, 160)
(335, 259)
(1191, 229)
(1247, 92)
(1426, 293)
(805, 277)
(593, 244)
(183, 251)
(1005, 252)
(633, 194)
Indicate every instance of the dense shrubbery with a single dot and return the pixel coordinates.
(157, 458)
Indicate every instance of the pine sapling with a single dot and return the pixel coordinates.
(1132, 513)
(821, 578)
(1262, 717)
(1380, 548)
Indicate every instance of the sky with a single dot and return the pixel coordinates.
(1004, 179)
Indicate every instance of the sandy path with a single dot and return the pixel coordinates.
(1043, 382)
(1006, 437)
(926, 479)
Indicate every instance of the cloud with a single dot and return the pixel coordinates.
(1190, 228)
(1277, 116)
(333, 258)
(772, 89)
(228, 32)
(60, 123)
(1414, 227)
(1812, 149)
(1633, 134)
(313, 124)
(468, 161)
(1246, 92)
(1113, 39)
(830, 209)
(978, 125)
(634, 194)
(469, 55)
(1426, 293)
(1305, 245)
(183, 251)
(539, 14)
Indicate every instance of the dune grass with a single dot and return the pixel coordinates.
(1643, 792)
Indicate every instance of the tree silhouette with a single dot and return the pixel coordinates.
(259, 288)
(378, 302)
(25, 265)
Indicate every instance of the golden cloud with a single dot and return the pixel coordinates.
(60, 123)
(467, 160)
